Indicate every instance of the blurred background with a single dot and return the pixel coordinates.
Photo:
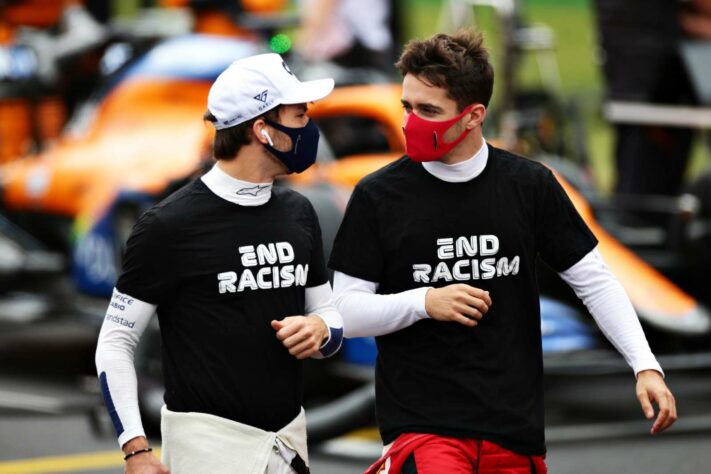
(100, 117)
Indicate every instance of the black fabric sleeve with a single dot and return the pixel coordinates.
(357, 250)
(562, 237)
(148, 271)
(318, 275)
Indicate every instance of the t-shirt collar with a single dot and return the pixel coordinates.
(460, 172)
(235, 190)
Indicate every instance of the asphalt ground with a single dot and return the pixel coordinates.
(594, 426)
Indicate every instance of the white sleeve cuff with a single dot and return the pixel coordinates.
(650, 364)
(319, 302)
(127, 436)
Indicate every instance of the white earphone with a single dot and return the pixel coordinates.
(265, 134)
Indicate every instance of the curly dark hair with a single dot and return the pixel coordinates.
(458, 63)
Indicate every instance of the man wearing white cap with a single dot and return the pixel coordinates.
(234, 269)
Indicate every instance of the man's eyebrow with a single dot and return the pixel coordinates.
(427, 106)
(430, 107)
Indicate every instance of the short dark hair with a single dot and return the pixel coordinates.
(458, 63)
(229, 141)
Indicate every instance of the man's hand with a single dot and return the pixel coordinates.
(651, 388)
(142, 463)
(301, 335)
(461, 303)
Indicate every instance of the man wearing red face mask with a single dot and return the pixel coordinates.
(436, 258)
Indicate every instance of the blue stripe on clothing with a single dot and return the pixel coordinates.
(110, 404)
(334, 342)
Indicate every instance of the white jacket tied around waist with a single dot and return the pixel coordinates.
(195, 443)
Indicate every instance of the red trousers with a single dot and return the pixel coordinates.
(415, 453)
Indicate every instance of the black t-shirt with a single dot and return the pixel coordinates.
(405, 229)
(220, 273)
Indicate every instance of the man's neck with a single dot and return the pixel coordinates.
(466, 149)
(250, 165)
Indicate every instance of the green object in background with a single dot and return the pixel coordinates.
(280, 43)
(125, 7)
(571, 20)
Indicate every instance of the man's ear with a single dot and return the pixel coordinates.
(259, 129)
(476, 116)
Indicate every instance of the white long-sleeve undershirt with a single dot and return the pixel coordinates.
(125, 321)
(609, 305)
(366, 313)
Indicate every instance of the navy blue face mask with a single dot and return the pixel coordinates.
(304, 145)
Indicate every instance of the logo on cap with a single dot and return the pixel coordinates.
(261, 97)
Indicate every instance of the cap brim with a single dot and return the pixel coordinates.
(309, 91)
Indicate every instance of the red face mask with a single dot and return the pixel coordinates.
(424, 139)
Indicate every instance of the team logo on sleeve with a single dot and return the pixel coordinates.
(467, 258)
(266, 266)
(117, 310)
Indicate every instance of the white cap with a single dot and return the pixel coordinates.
(251, 86)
